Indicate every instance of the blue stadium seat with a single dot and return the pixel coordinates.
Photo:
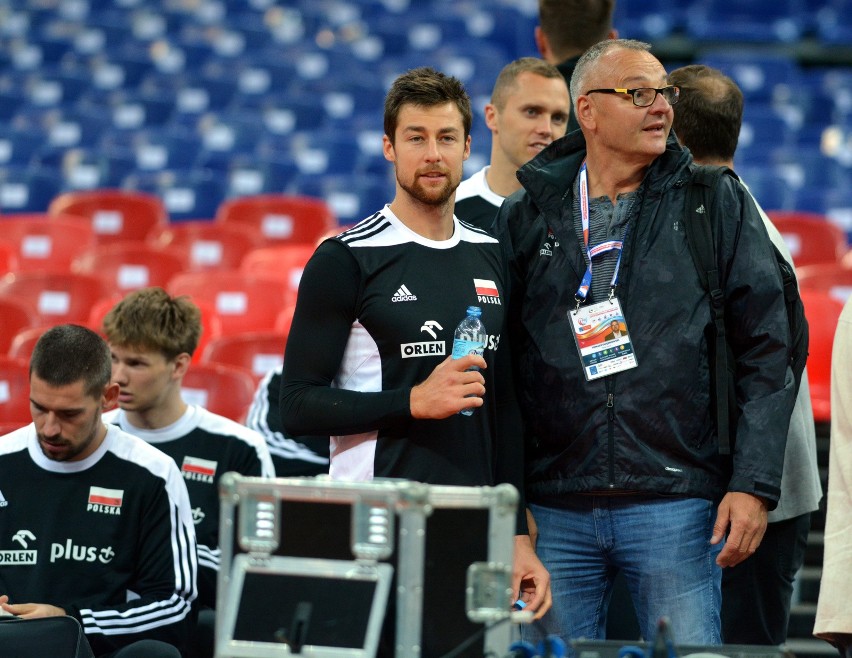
(153, 149)
(53, 39)
(18, 146)
(86, 168)
(26, 189)
(134, 59)
(834, 23)
(763, 127)
(813, 168)
(249, 175)
(769, 188)
(648, 20)
(747, 21)
(115, 24)
(508, 25)
(10, 101)
(352, 197)
(134, 110)
(187, 194)
(321, 153)
(835, 203)
(761, 76)
(227, 136)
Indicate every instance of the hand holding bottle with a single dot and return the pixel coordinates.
(449, 387)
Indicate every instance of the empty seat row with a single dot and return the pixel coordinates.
(111, 215)
(244, 298)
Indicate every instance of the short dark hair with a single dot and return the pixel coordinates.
(152, 319)
(574, 25)
(425, 87)
(709, 113)
(68, 353)
(509, 74)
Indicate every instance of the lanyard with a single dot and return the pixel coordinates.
(603, 247)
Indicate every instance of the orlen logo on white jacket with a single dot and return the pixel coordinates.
(78, 553)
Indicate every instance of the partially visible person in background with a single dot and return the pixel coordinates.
(152, 337)
(104, 517)
(834, 609)
(529, 109)
(757, 594)
(291, 456)
(566, 29)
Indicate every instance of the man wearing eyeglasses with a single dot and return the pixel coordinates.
(624, 471)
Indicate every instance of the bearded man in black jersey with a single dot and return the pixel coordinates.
(367, 359)
(98, 522)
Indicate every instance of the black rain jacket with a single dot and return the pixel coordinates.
(649, 429)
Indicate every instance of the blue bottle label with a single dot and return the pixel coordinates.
(463, 347)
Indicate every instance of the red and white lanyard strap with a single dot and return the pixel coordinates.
(591, 252)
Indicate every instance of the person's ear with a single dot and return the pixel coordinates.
(387, 149)
(109, 399)
(491, 117)
(182, 362)
(584, 111)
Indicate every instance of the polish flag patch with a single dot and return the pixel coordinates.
(486, 287)
(108, 497)
(199, 466)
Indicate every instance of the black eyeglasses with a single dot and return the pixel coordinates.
(644, 96)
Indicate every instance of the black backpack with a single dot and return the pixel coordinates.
(699, 234)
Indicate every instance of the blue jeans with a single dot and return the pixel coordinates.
(662, 545)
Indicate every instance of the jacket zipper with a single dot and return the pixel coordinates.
(610, 414)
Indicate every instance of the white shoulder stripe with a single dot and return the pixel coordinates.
(471, 233)
(372, 231)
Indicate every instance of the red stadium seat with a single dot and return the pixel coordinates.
(284, 320)
(42, 243)
(100, 309)
(115, 215)
(8, 257)
(822, 311)
(126, 266)
(10, 426)
(14, 392)
(242, 302)
(24, 341)
(280, 218)
(282, 262)
(223, 389)
(258, 352)
(57, 298)
(16, 315)
(205, 245)
(835, 278)
(812, 238)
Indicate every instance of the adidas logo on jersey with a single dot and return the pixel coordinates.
(403, 295)
(3, 501)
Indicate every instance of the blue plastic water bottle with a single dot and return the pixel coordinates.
(470, 338)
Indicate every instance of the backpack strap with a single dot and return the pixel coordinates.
(700, 238)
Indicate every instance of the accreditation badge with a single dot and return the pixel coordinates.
(601, 335)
